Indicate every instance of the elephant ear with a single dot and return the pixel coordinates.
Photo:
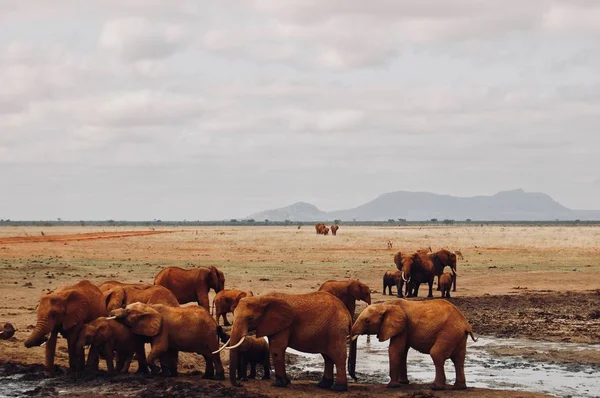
(102, 333)
(354, 288)
(76, 309)
(277, 315)
(145, 321)
(393, 322)
(239, 297)
(213, 278)
(114, 298)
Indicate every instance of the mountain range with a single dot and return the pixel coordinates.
(515, 205)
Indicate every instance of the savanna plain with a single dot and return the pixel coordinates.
(530, 283)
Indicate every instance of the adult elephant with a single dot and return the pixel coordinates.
(315, 323)
(434, 327)
(108, 285)
(334, 228)
(191, 284)
(416, 268)
(444, 258)
(319, 227)
(349, 291)
(121, 296)
(66, 310)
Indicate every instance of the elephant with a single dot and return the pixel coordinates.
(444, 258)
(348, 291)
(225, 301)
(109, 336)
(391, 279)
(445, 284)
(334, 228)
(120, 296)
(173, 329)
(191, 284)
(253, 351)
(319, 227)
(416, 268)
(315, 322)
(433, 327)
(326, 231)
(66, 310)
(8, 331)
(108, 285)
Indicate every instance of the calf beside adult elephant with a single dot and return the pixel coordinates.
(434, 327)
(441, 259)
(415, 268)
(190, 285)
(65, 311)
(225, 301)
(315, 323)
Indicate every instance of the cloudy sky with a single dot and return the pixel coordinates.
(143, 109)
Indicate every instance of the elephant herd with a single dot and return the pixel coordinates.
(322, 229)
(117, 319)
(419, 267)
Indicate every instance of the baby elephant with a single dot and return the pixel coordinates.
(109, 336)
(391, 279)
(253, 351)
(225, 301)
(445, 284)
(7, 331)
(174, 329)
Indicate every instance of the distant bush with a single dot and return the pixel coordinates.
(434, 220)
(336, 221)
(447, 221)
(233, 220)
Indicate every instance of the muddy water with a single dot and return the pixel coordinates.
(482, 367)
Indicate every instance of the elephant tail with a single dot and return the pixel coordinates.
(470, 333)
(352, 360)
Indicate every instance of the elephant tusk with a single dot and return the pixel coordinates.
(354, 337)
(111, 318)
(222, 348)
(237, 345)
(455, 273)
(1, 333)
(43, 344)
(403, 278)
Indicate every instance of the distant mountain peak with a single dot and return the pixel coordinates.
(510, 205)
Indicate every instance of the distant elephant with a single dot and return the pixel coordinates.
(391, 279)
(253, 351)
(416, 268)
(434, 327)
(314, 322)
(120, 296)
(191, 284)
(319, 227)
(334, 229)
(225, 301)
(105, 286)
(7, 331)
(444, 258)
(108, 336)
(445, 284)
(66, 310)
(348, 291)
(325, 231)
(173, 329)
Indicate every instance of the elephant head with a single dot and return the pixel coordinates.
(96, 332)
(384, 320)
(115, 298)
(360, 291)
(215, 279)
(239, 297)
(265, 315)
(58, 311)
(141, 318)
(407, 265)
(7, 331)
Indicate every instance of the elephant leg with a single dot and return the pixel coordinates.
(448, 293)
(76, 356)
(219, 371)
(277, 346)
(327, 380)
(399, 287)
(397, 352)
(438, 355)
(243, 371)
(209, 370)
(339, 355)
(93, 359)
(225, 320)
(109, 355)
(140, 353)
(430, 287)
(266, 363)
(438, 283)
(202, 298)
(159, 348)
(126, 358)
(454, 281)
(458, 358)
(50, 350)
(252, 374)
(172, 356)
(384, 288)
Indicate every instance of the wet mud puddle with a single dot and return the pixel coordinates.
(484, 367)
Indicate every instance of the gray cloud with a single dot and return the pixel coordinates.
(201, 110)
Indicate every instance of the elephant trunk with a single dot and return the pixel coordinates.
(233, 361)
(238, 334)
(39, 333)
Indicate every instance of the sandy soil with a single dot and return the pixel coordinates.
(534, 282)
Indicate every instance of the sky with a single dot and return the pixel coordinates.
(204, 110)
